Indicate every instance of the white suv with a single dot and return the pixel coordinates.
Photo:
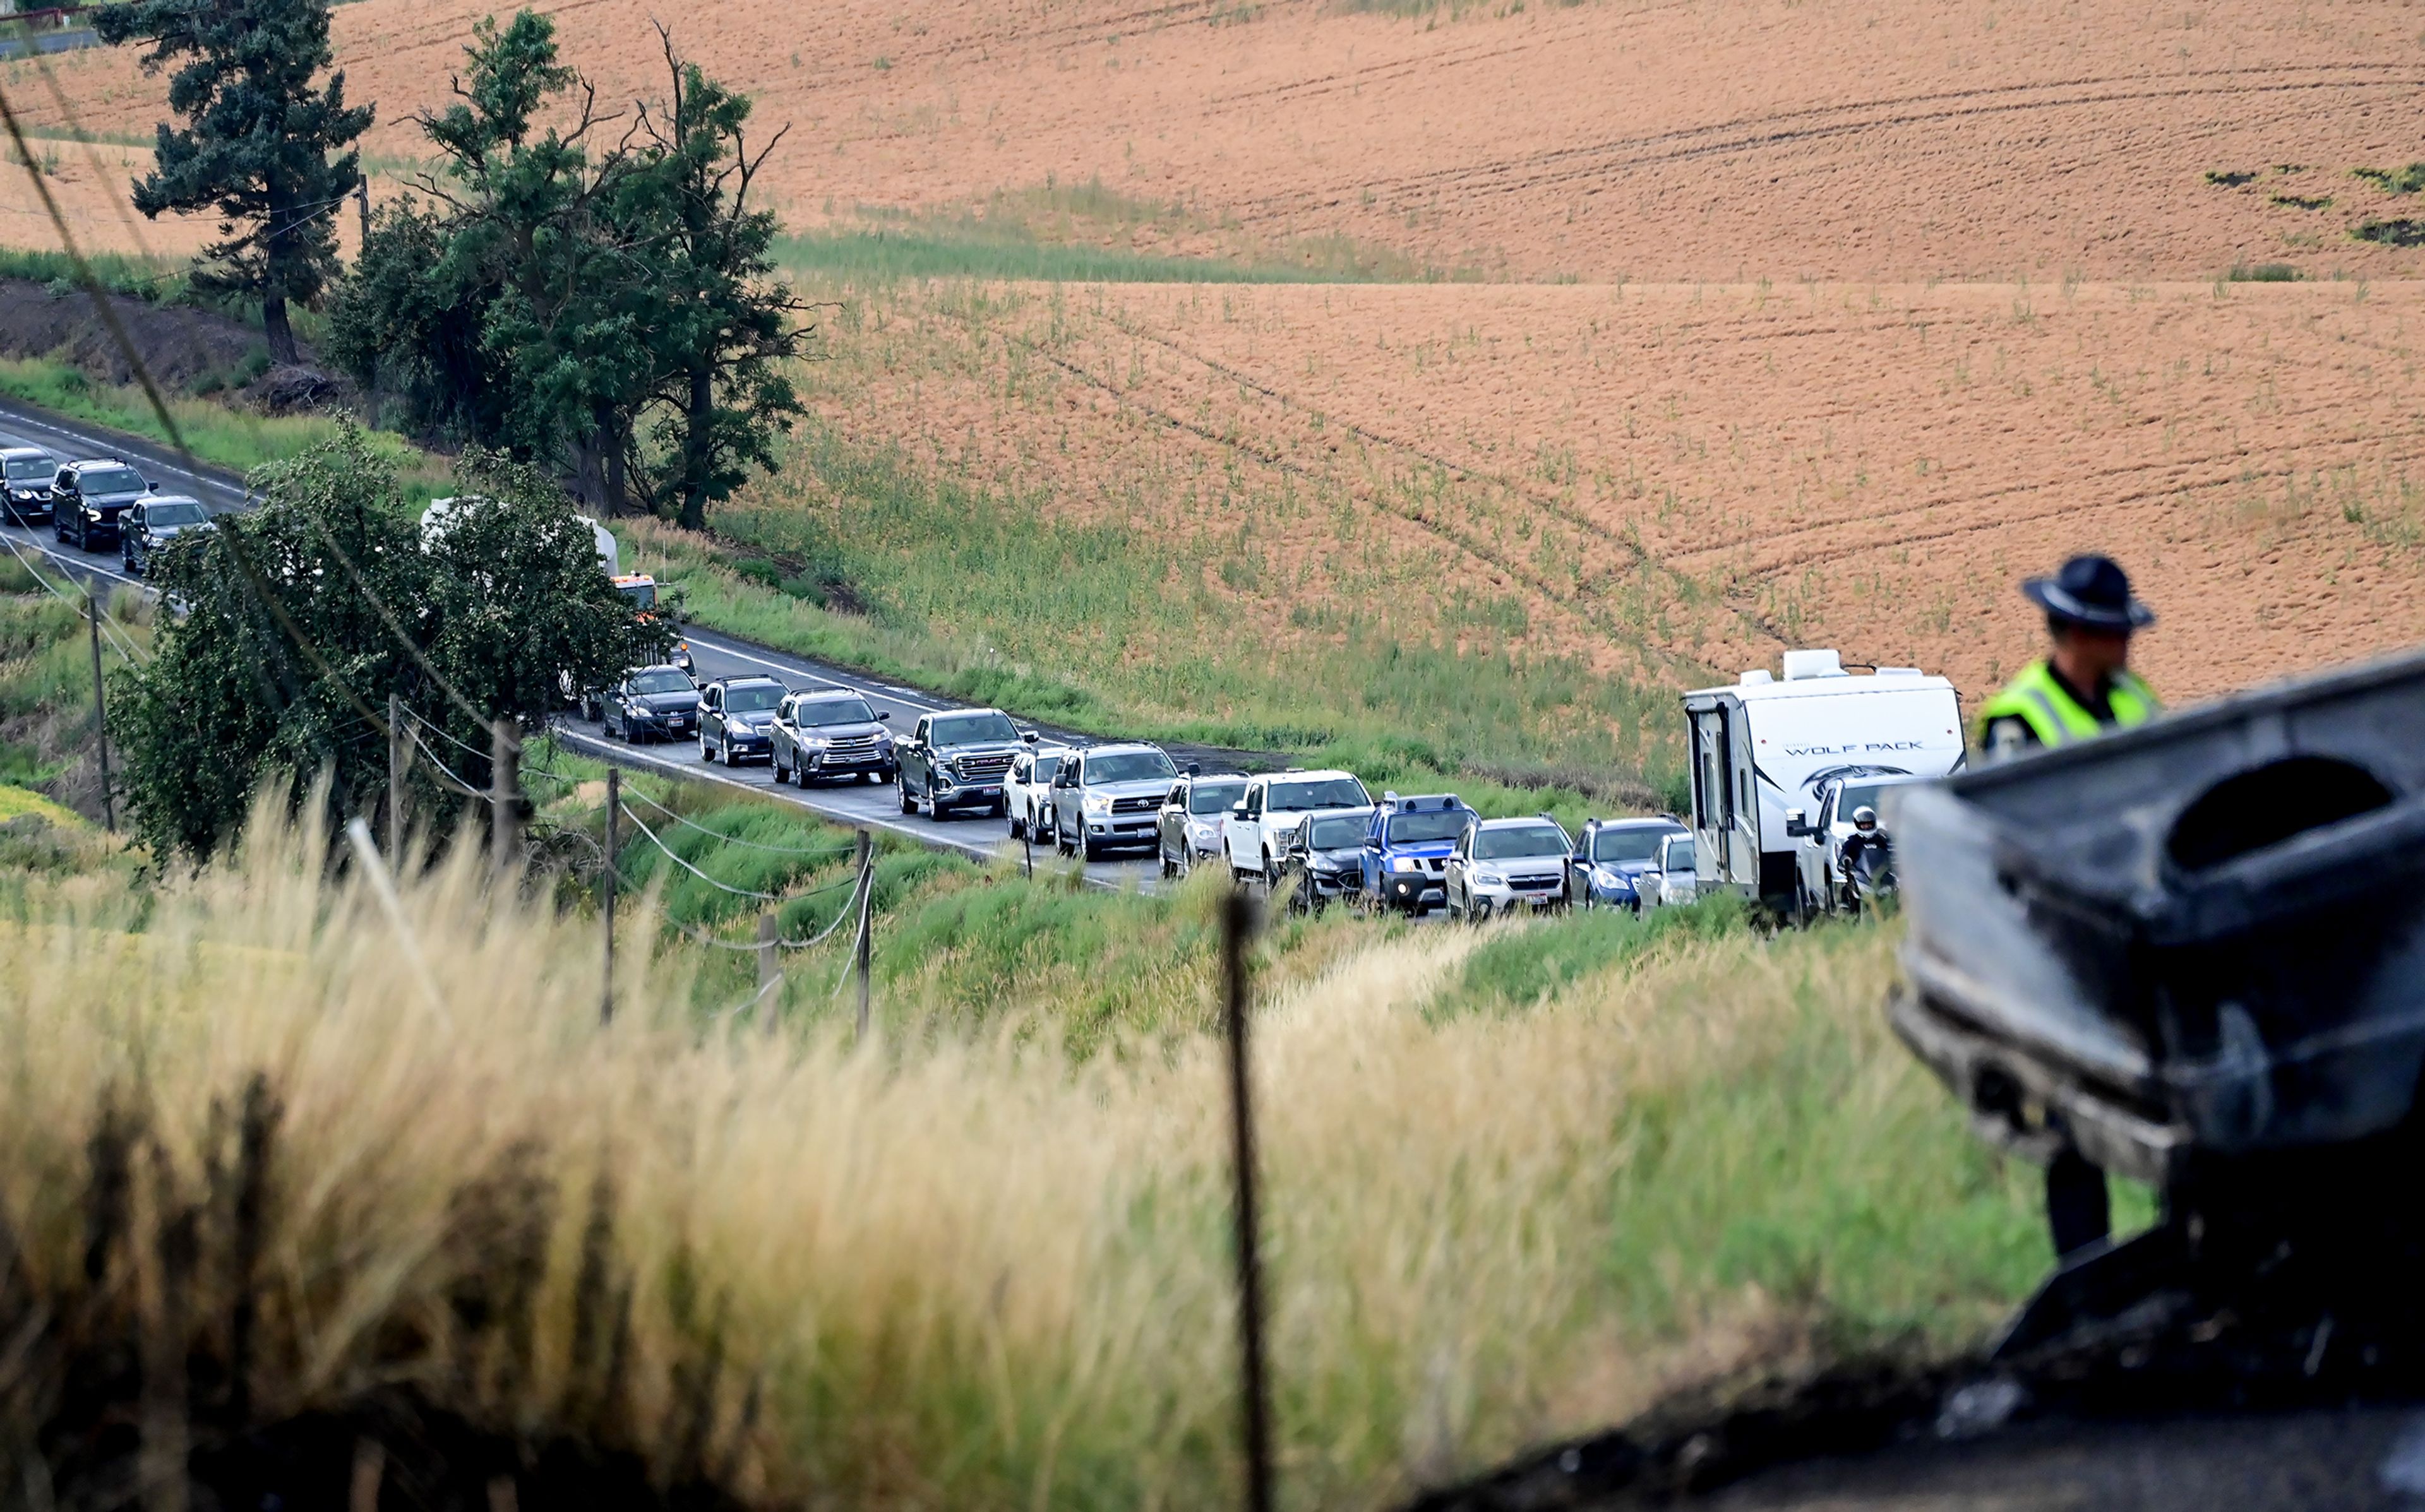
(1501, 865)
(1028, 788)
(1262, 822)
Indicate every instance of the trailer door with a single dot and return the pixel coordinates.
(1712, 796)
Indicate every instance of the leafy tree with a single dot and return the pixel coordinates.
(262, 144)
(504, 604)
(721, 390)
(604, 306)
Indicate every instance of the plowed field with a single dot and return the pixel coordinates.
(1706, 471)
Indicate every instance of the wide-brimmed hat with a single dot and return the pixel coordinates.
(2093, 591)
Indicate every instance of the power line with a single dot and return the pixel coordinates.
(822, 851)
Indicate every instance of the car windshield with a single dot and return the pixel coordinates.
(818, 711)
(21, 468)
(1046, 766)
(1215, 797)
(110, 481)
(1515, 844)
(1337, 834)
(752, 698)
(1861, 795)
(968, 729)
(1680, 856)
(1419, 829)
(663, 680)
(1612, 846)
(1128, 766)
(640, 595)
(1315, 792)
(174, 512)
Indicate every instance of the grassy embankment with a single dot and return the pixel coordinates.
(1521, 1181)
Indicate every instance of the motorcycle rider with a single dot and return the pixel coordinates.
(1864, 853)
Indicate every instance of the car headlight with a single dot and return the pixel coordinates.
(92, 512)
(814, 742)
(1404, 863)
(1202, 829)
(1611, 877)
(1098, 802)
(1489, 879)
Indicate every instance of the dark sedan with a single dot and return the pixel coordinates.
(652, 704)
(155, 521)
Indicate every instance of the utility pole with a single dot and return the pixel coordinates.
(767, 970)
(362, 203)
(396, 763)
(614, 811)
(505, 798)
(100, 715)
(1237, 931)
(866, 896)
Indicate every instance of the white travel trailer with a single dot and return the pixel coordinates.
(1763, 745)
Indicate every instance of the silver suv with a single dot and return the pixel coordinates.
(1501, 865)
(1108, 797)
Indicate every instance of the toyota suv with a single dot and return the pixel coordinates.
(831, 732)
(87, 498)
(1192, 816)
(1611, 856)
(1107, 797)
(26, 474)
(1406, 851)
(1263, 822)
(958, 759)
(734, 714)
(154, 523)
(1501, 865)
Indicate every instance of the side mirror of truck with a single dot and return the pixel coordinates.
(1797, 825)
(1237, 809)
(884, 716)
(1029, 735)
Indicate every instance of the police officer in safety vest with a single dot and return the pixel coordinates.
(2085, 687)
(2082, 688)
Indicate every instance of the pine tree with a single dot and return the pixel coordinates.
(262, 144)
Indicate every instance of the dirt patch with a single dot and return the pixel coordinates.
(183, 348)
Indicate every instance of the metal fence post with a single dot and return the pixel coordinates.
(613, 875)
(1237, 933)
(768, 969)
(100, 715)
(866, 895)
(505, 826)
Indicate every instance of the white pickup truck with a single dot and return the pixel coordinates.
(1261, 824)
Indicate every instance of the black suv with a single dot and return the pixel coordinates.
(830, 732)
(956, 760)
(734, 717)
(87, 498)
(652, 704)
(154, 523)
(26, 474)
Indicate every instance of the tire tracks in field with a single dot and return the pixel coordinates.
(1573, 602)
(2169, 488)
(1746, 134)
(1521, 489)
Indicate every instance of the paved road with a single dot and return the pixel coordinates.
(715, 655)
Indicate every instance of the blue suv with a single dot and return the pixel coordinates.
(1610, 857)
(1406, 848)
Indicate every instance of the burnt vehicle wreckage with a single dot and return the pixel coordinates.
(2192, 954)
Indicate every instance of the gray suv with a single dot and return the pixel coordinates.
(957, 761)
(87, 498)
(1110, 796)
(831, 732)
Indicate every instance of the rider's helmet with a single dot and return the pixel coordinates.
(1864, 819)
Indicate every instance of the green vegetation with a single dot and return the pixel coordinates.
(2300, 202)
(2263, 273)
(2229, 178)
(2394, 181)
(2400, 233)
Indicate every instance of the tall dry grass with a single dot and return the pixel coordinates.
(973, 1273)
